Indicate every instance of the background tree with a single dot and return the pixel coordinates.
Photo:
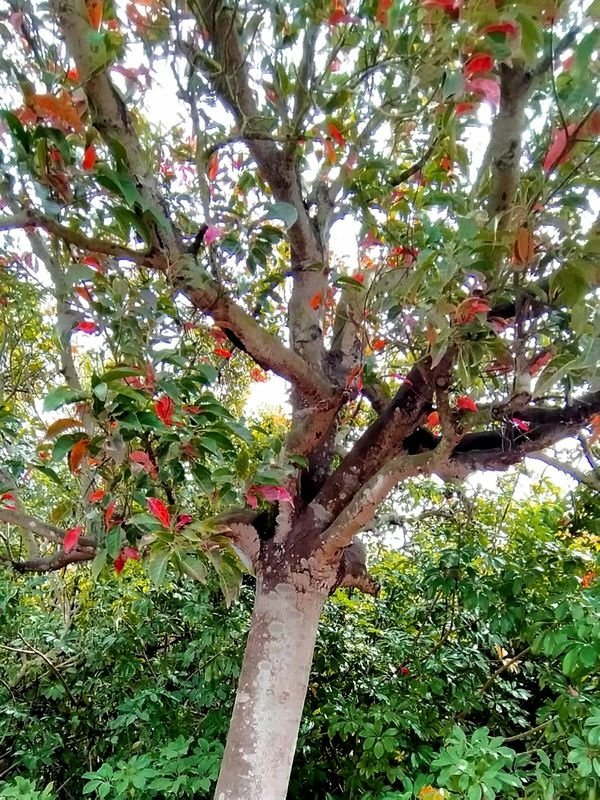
(464, 338)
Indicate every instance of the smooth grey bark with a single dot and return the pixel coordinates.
(270, 697)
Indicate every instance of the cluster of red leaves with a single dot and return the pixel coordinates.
(146, 383)
(271, 494)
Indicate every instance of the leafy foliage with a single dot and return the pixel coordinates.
(474, 675)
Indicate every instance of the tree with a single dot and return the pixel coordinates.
(466, 339)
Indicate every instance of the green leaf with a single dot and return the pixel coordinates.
(283, 211)
(49, 473)
(157, 565)
(61, 396)
(98, 563)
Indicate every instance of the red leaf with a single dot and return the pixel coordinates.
(212, 234)
(222, 352)
(159, 510)
(85, 326)
(335, 133)
(508, 28)
(97, 496)
(464, 403)
(143, 459)
(258, 375)
(316, 300)
(94, 262)
(449, 6)
(539, 362)
(433, 419)
(108, 515)
(71, 538)
(89, 157)
(479, 62)
(464, 108)
(378, 344)
(588, 579)
(164, 408)
(183, 520)
(558, 152)
(486, 87)
(521, 424)
(126, 554)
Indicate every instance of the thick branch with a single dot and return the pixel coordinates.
(39, 528)
(507, 132)
(548, 426)
(54, 562)
(32, 219)
(363, 506)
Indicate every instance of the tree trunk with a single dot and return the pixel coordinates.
(270, 697)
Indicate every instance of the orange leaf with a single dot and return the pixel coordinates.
(57, 109)
(62, 425)
(77, 454)
(94, 12)
(524, 247)
(84, 293)
(315, 301)
(329, 151)
(108, 515)
(469, 308)
(382, 13)
(213, 166)
(335, 133)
